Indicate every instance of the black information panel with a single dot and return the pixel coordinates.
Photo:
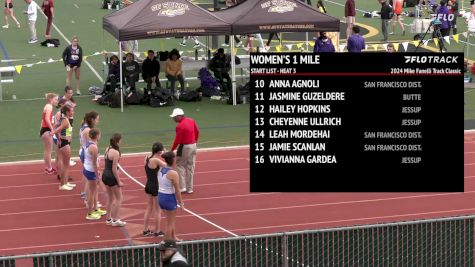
(352, 122)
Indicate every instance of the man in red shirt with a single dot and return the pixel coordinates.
(187, 133)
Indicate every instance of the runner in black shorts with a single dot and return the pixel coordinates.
(64, 135)
(9, 11)
(110, 177)
(152, 164)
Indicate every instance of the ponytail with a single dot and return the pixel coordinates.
(114, 141)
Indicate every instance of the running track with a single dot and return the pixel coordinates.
(36, 217)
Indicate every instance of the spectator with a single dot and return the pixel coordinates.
(391, 48)
(221, 65)
(9, 11)
(230, 3)
(68, 96)
(323, 44)
(356, 42)
(151, 70)
(172, 255)
(131, 71)
(48, 9)
(32, 15)
(173, 71)
(454, 10)
(385, 17)
(271, 35)
(350, 13)
(114, 72)
(72, 59)
(397, 17)
(443, 16)
(195, 38)
(187, 134)
(321, 7)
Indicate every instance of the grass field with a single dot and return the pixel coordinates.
(221, 124)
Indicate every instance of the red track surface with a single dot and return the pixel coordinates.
(36, 217)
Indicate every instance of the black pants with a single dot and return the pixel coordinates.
(113, 82)
(148, 80)
(221, 76)
(271, 35)
(130, 80)
(226, 39)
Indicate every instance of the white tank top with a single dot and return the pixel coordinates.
(82, 140)
(165, 185)
(88, 163)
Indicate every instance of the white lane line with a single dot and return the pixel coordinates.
(187, 210)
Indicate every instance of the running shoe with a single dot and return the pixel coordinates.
(93, 216)
(51, 171)
(225, 45)
(18, 26)
(109, 221)
(183, 44)
(147, 233)
(196, 45)
(71, 185)
(159, 234)
(189, 191)
(5, 26)
(118, 223)
(183, 190)
(65, 187)
(72, 162)
(33, 41)
(83, 195)
(100, 212)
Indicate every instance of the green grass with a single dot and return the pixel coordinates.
(221, 124)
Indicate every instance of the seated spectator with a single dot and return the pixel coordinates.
(221, 64)
(323, 44)
(151, 70)
(114, 72)
(174, 72)
(131, 71)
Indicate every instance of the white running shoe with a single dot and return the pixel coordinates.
(118, 223)
(65, 187)
(71, 185)
(5, 26)
(72, 163)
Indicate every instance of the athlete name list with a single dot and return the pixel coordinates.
(342, 122)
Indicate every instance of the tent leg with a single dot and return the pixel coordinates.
(233, 71)
(120, 82)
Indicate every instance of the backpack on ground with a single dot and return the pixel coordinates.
(95, 90)
(105, 99)
(190, 96)
(115, 100)
(133, 98)
(161, 98)
(209, 84)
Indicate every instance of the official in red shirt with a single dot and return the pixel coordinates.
(187, 133)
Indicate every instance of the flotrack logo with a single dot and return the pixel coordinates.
(431, 59)
(170, 9)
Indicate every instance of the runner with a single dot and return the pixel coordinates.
(46, 130)
(110, 177)
(152, 164)
(169, 194)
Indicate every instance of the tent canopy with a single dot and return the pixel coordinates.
(146, 19)
(258, 16)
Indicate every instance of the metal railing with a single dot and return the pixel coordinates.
(434, 242)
